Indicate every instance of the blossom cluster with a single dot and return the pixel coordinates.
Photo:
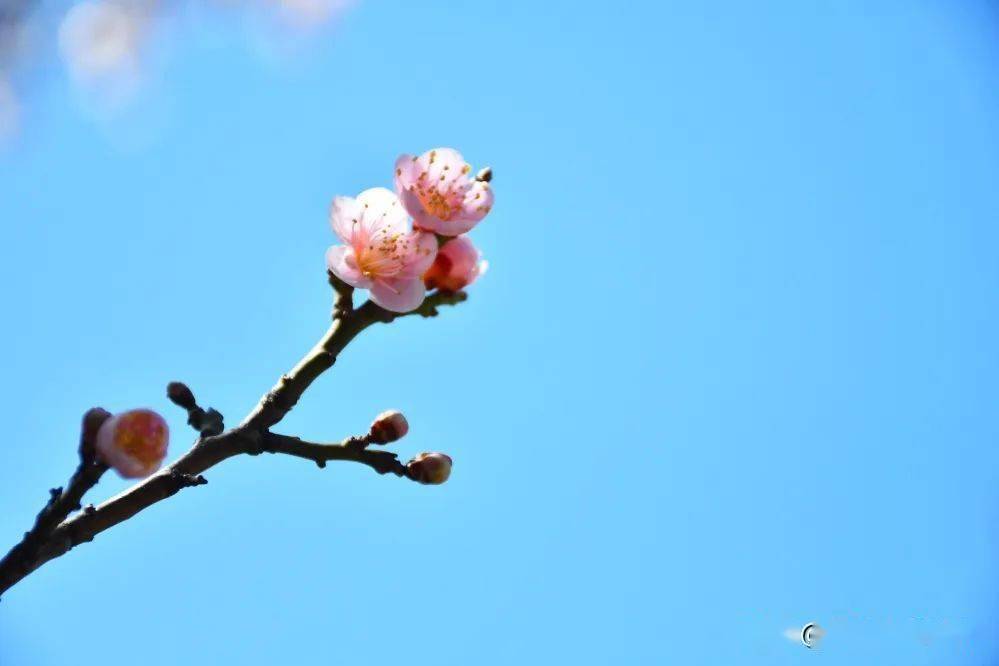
(399, 244)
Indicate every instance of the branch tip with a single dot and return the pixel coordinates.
(207, 423)
(181, 395)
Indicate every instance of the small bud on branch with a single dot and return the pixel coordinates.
(389, 426)
(207, 423)
(430, 468)
(181, 395)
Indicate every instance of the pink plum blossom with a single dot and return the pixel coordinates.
(457, 265)
(380, 253)
(133, 442)
(437, 191)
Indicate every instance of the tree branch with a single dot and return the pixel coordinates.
(285, 395)
(18, 562)
(352, 448)
(54, 534)
(207, 423)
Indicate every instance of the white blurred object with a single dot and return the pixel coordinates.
(311, 13)
(812, 634)
(103, 43)
(103, 38)
(809, 635)
(10, 110)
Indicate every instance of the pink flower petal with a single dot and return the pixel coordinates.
(422, 255)
(438, 162)
(345, 212)
(478, 202)
(340, 260)
(399, 295)
(406, 172)
(380, 211)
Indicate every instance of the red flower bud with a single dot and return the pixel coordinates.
(430, 468)
(388, 426)
(133, 442)
(456, 266)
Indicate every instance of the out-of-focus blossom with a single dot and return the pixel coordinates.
(311, 13)
(438, 192)
(457, 265)
(381, 253)
(102, 40)
(389, 426)
(133, 442)
(10, 110)
(430, 468)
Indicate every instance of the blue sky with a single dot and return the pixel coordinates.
(733, 367)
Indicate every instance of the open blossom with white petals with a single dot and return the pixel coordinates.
(438, 192)
(380, 253)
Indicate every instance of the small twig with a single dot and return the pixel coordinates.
(18, 562)
(352, 448)
(208, 423)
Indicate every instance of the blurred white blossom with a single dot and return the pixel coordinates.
(10, 110)
(102, 39)
(111, 47)
(311, 13)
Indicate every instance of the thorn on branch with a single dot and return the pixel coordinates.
(208, 423)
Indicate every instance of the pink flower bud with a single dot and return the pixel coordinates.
(133, 442)
(388, 427)
(430, 468)
(457, 265)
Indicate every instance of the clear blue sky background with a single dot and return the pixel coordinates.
(733, 368)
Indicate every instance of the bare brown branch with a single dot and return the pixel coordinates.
(285, 395)
(353, 448)
(54, 534)
(19, 561)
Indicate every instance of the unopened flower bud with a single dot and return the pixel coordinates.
(430, 468)
(92, 422)
(133, 442)
(388, 426)
(456, 266)
(181, 395)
